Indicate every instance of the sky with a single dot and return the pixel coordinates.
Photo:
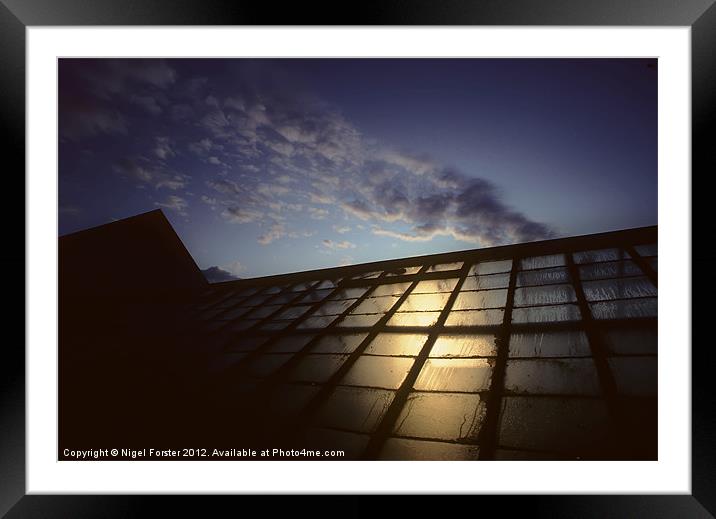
(269, 166)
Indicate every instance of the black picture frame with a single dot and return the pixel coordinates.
(699, 15)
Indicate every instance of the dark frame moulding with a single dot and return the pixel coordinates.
(699, 15)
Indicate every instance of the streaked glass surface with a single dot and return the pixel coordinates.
(546, 295)
(491, 267)
(441, 416)
(552, 376)
(627, 309)
(464, 345)
(543, 277)
(464, 375)
(480, 300)
(354, 408)
(316, 368)
(549, 344)
(424, 302)
(475, 317)
(396, 344)
(540, 262)
(627, 288)
(414, 319)
(383, 372)
(345, 343)
(546, 314)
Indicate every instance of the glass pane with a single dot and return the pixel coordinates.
(414, 319)
(552, 376)
(480, 300)
(232, 314)
(543, 277)
(435, 285)
(275, 325)
(293, 312)
(263, 311)
(549, 344)
(475, 317)
(546, 314)
(265, 365)
(424, 302)
(354, 408)
(396, 289)
(628, 309)
(491, 267)
(384, 372)
(595, 256)
(290, 344)
(547, 295)
(316, 295)
(375, 305)
(486, 282)
(609, 269)
(282, 299)
(242, 325)
(396, 344)
(367, 275)
(339, 343)
(629, 341)
(334, 307)
(326, 284)
(540, 262)
(317, 368)
(575, 425)
(463, 375)
(618, 289)
(405, 449)
(441, 416)
(359, 320)
(403, 271)
(245, 343)
(445, 266)
(316, 322)
(475, 345)
(635, 376)
(348, 293)
(256, 300)
(647, 250)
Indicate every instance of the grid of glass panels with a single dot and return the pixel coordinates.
(540, 356)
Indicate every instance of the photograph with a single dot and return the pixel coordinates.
(334, 259)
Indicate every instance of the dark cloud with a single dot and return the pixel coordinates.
(217, 275)
(272, 153)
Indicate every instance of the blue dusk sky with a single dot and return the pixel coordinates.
(268, 166)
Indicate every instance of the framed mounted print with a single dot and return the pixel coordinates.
(416, 255)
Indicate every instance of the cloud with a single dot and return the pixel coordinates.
(276, 231)
(147, 103)
(218, 275)
(235, 268)
(148, 173)
(163, 148)
(317, 213)
(345, 244)
(91, 120)
(175, 203)
(241, 215)
(289, 152)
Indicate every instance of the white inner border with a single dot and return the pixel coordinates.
(672, 473)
